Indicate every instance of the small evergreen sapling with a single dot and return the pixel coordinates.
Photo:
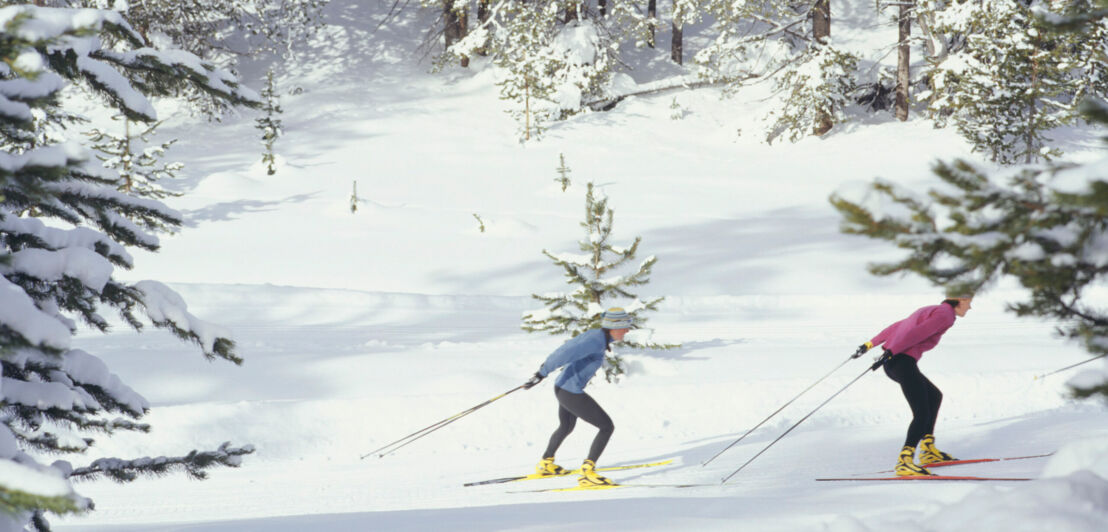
(136, 159)
(563, 172)
(593, 272)
(270, 124)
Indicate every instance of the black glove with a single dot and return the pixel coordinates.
(862, 350)
(535, 379)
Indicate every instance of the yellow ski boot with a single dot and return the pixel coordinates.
(590, 479)
(906, 466)
(548, 468)
(929, 454)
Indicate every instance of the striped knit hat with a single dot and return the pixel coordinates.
(616, 318)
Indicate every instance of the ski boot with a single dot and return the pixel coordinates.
(929, 454)
(548, 468)
(906, 466)
(589, 478)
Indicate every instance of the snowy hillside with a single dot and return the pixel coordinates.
(359, 328)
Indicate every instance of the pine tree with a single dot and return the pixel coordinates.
(1007, 82)
(1045, 226)
(788, 43)
(547, 74)
(136, 159)
(270, 125)
(563, 172)
(597, 284)
(817, 88)
(221, 31)
(57, 269)
(218, 29)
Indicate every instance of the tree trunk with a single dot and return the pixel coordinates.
(677, 43)
(821, 20)
(483, 17)
(652, 14)
(903, 74)
(821, 31)
(572, 10)
(456, 26)
(602, 5)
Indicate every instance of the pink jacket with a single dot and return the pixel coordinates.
(917, 333)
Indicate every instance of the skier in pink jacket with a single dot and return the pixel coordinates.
(905, 342)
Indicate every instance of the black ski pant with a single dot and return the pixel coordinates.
(579, 405)
(923, 397)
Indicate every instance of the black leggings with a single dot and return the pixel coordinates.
(579, 405)
(922, 396)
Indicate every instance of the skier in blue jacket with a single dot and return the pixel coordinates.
(581, 356)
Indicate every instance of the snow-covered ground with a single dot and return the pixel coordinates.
(360, 328)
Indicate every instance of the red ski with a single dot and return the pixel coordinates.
(925, 477)
(977, 461)
(980, 460)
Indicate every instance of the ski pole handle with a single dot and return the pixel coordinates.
(881, 360)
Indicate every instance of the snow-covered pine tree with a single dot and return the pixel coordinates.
(746, 34)
(598, 286)
(58, 268)
(218, 29)
(551, 67)
(221, 31)
(816, 89)
(136, 159)
(1006, 81)
(563, 172)
(269, 124)
(1088, 47)
(778, 39)
(1044, 226)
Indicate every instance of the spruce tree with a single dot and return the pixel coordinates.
(1007, 81)
(598, 286)
(57, 268)
(816, 89)
(218, 29)
(547, 74)
(270, 125)
(563, 173)
(136, 159)
(787, 43)
(1044, 226)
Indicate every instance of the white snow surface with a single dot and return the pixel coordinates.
(360, 328)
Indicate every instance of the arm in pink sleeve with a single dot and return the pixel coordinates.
(885, 334)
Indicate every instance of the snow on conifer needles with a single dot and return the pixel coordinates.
(54, 274)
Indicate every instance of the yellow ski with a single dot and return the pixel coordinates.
(590, 488)
(536, 476)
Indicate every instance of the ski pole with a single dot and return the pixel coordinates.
(396, 445)
(706, 462)
(874, 367)
(1070, 366)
